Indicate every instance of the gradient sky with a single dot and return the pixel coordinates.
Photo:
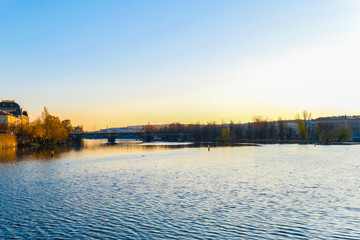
(118, 63)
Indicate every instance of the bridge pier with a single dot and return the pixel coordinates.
(77, 139)
(148, 137)
(182, 137)
(111, 139)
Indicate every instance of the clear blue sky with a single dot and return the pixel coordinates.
(116, 63)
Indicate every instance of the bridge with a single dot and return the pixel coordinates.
(144, 136)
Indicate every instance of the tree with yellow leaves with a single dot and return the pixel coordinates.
(303, 124)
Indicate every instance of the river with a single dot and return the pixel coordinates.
(168, 191)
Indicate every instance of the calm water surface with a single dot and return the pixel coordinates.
(144, 191)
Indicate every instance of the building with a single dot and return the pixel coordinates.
(293, 125)
(10, 111)
(7, 118)
(353, 122)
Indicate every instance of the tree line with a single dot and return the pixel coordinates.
(47, 129)
(259, 130)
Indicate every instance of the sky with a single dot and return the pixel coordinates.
(118, 63)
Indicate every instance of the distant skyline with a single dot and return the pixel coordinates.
(118, 63)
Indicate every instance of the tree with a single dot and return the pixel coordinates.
(67, 125)
(4, 128)
(175, 128)
(342, 133)
(225, 133)
(261, 127)
(195, 131)
(327, 132)
(290, 133)
(272, 131)
(23, 132)
(303, 124)
(233, 128)
(211, 131)
(238, 132)
(54, 130)
(150, 128)
(324, 132)
(282, 128)
(249, 131)
(38, 131)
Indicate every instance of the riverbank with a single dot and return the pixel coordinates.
(71, 144)
(257, 142)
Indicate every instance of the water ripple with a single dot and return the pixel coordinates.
(191, 194)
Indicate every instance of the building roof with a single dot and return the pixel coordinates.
(6, 104)
(338, 118)
(12, 107)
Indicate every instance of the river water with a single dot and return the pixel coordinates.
(145, 191)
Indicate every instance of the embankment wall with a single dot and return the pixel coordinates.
(7, 140)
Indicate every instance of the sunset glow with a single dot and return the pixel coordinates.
(114, 63)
